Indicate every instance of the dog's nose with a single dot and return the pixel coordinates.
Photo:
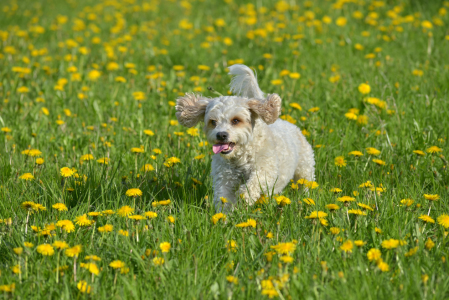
(222, 136)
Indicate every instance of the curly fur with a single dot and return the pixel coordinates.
(267, 153)
(190, 109)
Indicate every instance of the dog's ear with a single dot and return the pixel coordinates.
(268, 110)
(190, 109)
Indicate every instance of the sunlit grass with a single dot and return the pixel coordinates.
(103, 194)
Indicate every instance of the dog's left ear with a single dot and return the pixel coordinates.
(268, 110)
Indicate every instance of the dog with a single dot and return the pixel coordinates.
(255, 151)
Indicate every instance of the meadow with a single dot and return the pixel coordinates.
(104, 195)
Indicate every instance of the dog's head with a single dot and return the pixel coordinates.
(229, 120)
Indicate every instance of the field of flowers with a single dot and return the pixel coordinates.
(104, 195)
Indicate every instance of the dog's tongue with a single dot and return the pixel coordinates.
(217, 148)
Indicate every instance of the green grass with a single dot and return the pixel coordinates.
(414, 117)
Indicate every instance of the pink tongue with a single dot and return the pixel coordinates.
(217, 148)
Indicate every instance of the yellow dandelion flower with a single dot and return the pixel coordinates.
(443, 220)
(364, 88)
(83, 221)
(27, 177)
(347, 246)
(426, 218)
(372, 151)
(60, 207)
(66, 172)
(165, 247)
(125, 211)
(431, 197)
(340, 161)
(434, 149)
(45, 249)
(134, 192)
(373, 254)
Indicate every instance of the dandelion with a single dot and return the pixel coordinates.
(27, 177)
(148, 132)
(332, 207)
(308, 201)
(60, 245)
(379, 162)
(359, 243)
(443, 220)
(220, 216)
(341, 21)
(39, 161)
(123, 232)
(340, 161)
(83, 287)
(150, 215)
(357, 212)
(66, 172)
(383, 266)
(317, 215)
(296, 106)
(18, 250)
(74, 251)
(147, 168)
(106, 228)
(334, 230)
(29, 205)
(86, 157)
(434, 149)
(419, 152)
(372, 151)
(431, 197)
(158, 261)
(66, 225)
(346, 199)
(134, 192)
(137, 150)
(365, 206)
(231, 246)
(282, 200)
(373, 254)
(429, 244)
(171, 161)
(45, 249)
(390, 244)
(103, 160)
(117, 264)
(60, 207)
(125, 211)
(364, 88)
(284, 248)
(355, 153)
(411, 252)
(347, 246)
(171, 219)
(426, 218)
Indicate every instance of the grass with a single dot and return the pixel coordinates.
(164, 49)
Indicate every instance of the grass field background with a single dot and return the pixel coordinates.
(90, 146)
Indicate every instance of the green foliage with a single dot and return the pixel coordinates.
(89, 77)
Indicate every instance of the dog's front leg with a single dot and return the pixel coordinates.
(250, 190)
(225, 183)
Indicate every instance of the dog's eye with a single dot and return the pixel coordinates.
(213, 123)
(235, 121)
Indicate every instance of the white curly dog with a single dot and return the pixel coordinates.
(255, 151)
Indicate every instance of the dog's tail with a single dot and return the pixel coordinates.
(244, 82)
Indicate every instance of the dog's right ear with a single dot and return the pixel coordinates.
(190, 109)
